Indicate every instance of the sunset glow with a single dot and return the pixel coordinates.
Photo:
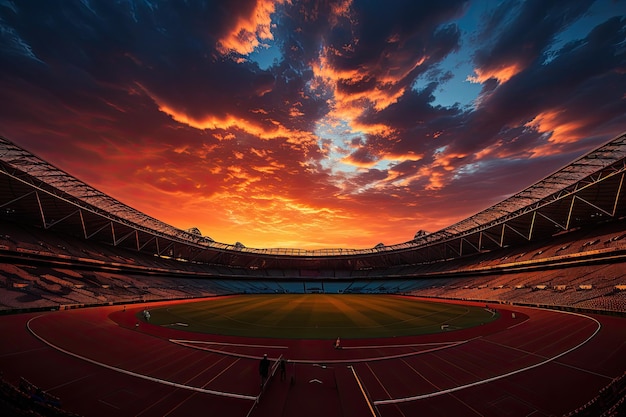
(283, 123)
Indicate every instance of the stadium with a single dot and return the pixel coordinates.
(517, 310)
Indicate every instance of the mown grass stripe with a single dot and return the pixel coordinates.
(319, 316)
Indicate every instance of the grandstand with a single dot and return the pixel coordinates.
(570, 220)
(558, 244)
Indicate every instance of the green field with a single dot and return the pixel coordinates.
(318, 316)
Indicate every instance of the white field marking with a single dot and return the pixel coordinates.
(495, 378)
(190, 344)
(367, 400)
(407, 345)
(8, 355)
(543, 357)
(518, 324)
(109, 404)
(204, 342)
(137, 375)
(318, 361)
(70, 382)
(377, 358)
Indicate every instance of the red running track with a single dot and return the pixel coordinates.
(540, 363)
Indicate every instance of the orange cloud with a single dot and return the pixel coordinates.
(382, 87)
(382, 157)
(397, 179)
(350, 160)
(436, 180)
(271, 221)
(502, 73)
(232, 122)
(436, 173)
(562, 128)
(271, 168)
(250, 30)
(380, 96)
(295, 110)
(488, 151)
(246, 207)
(245, 202)
(284, 221)
(409, 156)
(341, 8)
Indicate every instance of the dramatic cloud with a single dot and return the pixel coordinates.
(309, 123)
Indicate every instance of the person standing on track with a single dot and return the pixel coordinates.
(283, 369)
(264, 369)
(338, 343)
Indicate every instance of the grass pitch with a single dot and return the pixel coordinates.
(319, 316)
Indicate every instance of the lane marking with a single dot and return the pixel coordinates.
(367, 400)
(190, 344)
(135, 374)
(208, 342)
(406, 345)
(498, 377)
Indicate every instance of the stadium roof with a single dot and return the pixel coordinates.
(588, 190)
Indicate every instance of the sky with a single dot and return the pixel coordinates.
(311, 124)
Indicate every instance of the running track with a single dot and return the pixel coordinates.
(540, 363)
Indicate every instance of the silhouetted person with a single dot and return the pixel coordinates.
(283, 369)
(338, 343)
(264, 369)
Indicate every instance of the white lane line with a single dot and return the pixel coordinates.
(495, 378)
(192, 345)
(205, 342)
(137, 375)
(453, 343)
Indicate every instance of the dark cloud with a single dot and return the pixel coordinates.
(377, 30)
(161, 105)
(519, 32)
(567, 82)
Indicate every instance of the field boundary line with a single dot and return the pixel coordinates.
(370, 406)
(207, 342)
(324, 361)
(377, 358)
(405, 345)
(135, 374)
(495, 378)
